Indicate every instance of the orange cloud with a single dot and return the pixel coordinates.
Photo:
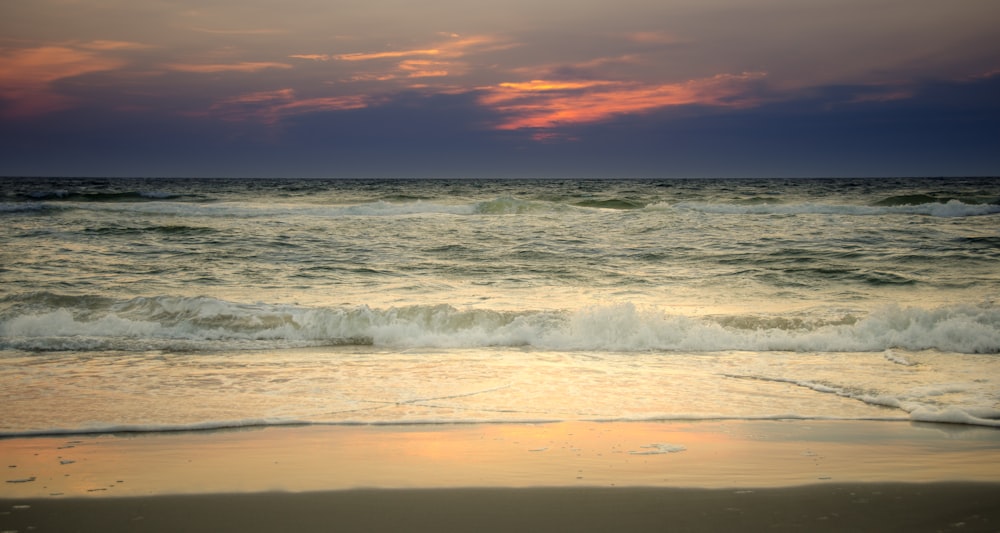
(455, 46)
(245, 66)
(544, 104)
(27, 75)
(384, 55)
(420, 68)
(368, 76)
(438, 60)
(115, 45)
(312, 57)
(271, 106)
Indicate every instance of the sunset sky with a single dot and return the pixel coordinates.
(449, 88)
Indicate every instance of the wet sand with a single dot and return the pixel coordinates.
(852, 507)
(679, 476)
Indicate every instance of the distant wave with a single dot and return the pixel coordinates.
(50, 322)
(613, 203)
(379, 208)
(512, 206)
(922, 199)
(17, 208)
(498, 206)
(102, 196)
(951, 208)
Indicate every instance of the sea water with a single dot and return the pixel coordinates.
(157, 304)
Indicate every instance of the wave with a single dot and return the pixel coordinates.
(100, 196)
(17, 208)
(949, 209)
(923, 199)
(152, 202)
(379, 208)
(613, 203)
(50, 322)
(508, 205)
(167, 229)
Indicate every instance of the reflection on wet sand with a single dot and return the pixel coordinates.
(668, 454)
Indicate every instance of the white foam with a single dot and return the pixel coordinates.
(894, 357)
(956, 415)
(622, 328)
(916, 402)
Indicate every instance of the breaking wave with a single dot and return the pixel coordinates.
(51, 322)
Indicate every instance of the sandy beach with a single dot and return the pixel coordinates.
(684, 476)
(835, 507)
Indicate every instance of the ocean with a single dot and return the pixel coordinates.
(153, 305)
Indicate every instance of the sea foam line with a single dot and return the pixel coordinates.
(917, 411)
(250, 424)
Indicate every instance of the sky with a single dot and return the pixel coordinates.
(512, 88)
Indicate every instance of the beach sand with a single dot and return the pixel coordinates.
(876, 507)
(580, 476)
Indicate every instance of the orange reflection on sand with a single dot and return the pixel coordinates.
(529, 454)
(321, 458)
(541, 104)
(698, 454)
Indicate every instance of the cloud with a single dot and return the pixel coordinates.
(421, 68)
(598, 67)
(27, 76)
(652, 37)
(213, 68)
(270, 107)
(250, 31)
(454, 46)
(387, 55)
(545, 104)
(442, 58)
(312, 57)
(115, 45)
